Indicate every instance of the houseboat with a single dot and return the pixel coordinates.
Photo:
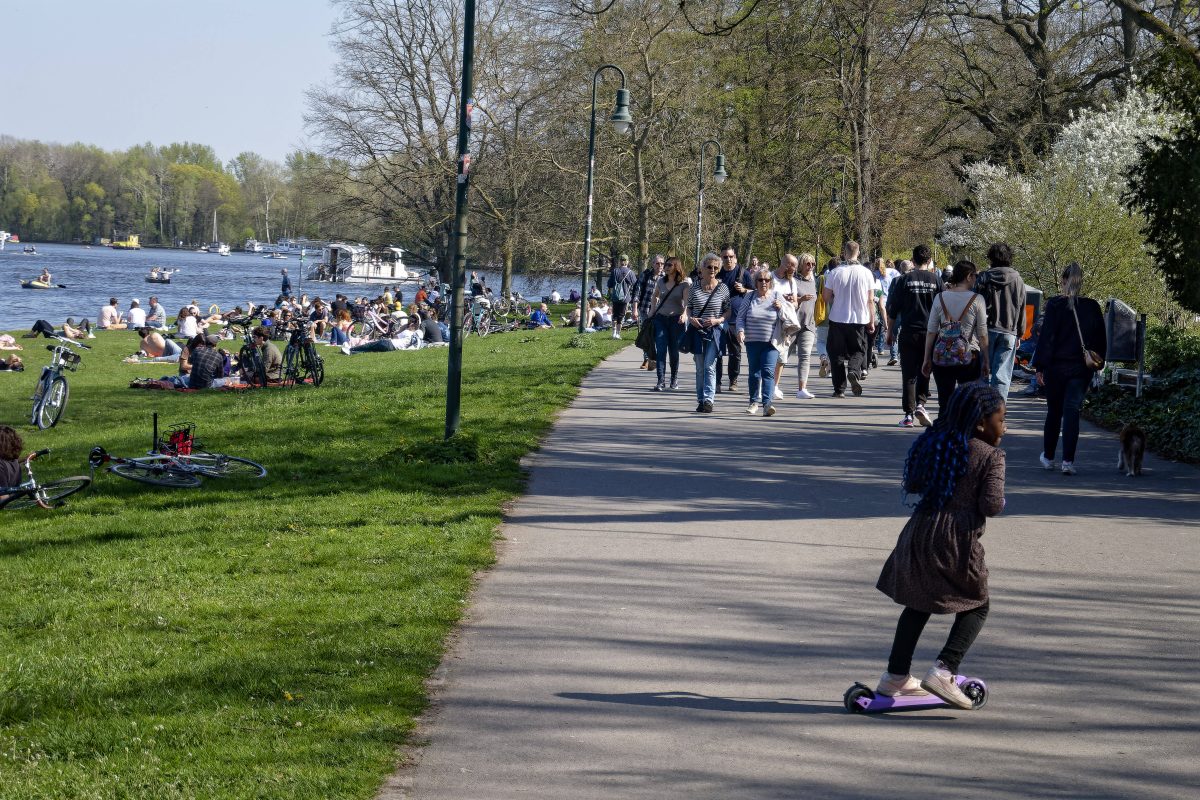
(356, 263)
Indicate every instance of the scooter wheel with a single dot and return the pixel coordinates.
(853, 695)
(977, 692)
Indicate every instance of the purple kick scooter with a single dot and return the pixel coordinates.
(861, 699)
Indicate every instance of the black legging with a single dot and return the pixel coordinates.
(967, 625)
(950, 378)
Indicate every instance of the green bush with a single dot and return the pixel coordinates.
(1168, 411)
(1170, 348)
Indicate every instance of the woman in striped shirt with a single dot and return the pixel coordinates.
(755, 327)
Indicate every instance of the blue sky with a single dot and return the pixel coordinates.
(226, 73)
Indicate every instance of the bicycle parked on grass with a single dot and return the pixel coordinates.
(301, 363)
(514, 303)
(43, 495)
(250, 361)
(176, 460)
(50, 398)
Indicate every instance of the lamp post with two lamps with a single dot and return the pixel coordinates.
(621, 121)
(719, 176)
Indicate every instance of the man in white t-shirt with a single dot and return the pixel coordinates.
(849, 293)
(136, 314)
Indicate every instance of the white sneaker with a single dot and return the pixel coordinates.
(91, 336)
(804, 394)
(900, 686)
(752, 409)
(616, 335)
(922, 417)
(940, 681)
(345, 349)
(1068, 468)
(778, 394)
(1047, 463)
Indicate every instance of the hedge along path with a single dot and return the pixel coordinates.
(271, 638)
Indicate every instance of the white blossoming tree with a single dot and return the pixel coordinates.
(1068, 208)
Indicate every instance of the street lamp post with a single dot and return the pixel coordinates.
(622, 121)
(458, 275)
(719, 176)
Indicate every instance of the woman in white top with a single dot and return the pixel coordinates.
(186, 323)
(958, 303)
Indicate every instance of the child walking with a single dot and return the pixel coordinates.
(937, 565)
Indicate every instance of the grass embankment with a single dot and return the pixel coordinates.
(268, 639)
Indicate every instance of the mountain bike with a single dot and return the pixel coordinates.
(177, 460)
(50, 398)
(43, 495)
(514, 303)
(300, 359)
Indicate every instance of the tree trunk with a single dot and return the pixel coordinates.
(507, 270)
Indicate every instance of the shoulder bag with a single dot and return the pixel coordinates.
(687, 342)
(645, 337)
(1090, 358)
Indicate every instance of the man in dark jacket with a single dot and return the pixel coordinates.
(620, 290)
(909, 301)
(737, 280)
(1003, 293)
(643, 296)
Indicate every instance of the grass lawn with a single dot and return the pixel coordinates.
(267, 639)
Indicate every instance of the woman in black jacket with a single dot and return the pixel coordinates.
(1070, 325)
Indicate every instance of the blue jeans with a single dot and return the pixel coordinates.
(338, 336)
(665, 345)
(1002, 353)
(1064, 398)
(705, 356)
(762, 357)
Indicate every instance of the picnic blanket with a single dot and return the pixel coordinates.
(170, 386)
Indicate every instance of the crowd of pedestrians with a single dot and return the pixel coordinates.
(944, 328)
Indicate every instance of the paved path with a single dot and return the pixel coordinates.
(682, 600)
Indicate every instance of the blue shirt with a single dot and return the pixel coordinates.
(538, 317)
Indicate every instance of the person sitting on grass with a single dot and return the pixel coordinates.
(207, 363)
(431, 332)
(186, 324)
(154, 347)
(110, 317)
(539, 318)
(272, 359)
(10, 455)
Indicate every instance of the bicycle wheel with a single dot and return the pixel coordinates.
(523, 308)
(156, 472)
(502, 307)
(291, 365)
(216, 465)
(54, 401)
(49, 495)
(485, 325)
(18, 499)
(315, 365)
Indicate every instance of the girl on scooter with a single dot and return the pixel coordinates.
(937, 565)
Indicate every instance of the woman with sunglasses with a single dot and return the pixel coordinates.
(755, 326)
(707, 312)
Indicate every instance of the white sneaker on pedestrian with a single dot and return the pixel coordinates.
(1068, 468)
(940, 681)
(752, 409)
(1047, 463)
(804, 394)
(778, 394)
(922, 417)
(616, 335)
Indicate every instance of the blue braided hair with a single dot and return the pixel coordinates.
(938, 458)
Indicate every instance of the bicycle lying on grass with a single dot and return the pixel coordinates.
(50, 398)
(43, 495)
(177, 460)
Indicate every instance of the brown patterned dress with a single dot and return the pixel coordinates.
(937, 564)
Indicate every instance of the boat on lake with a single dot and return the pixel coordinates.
(160, 275)
(36, 284)
(216, 245)
(275, 255)
(356, 263)
(130, 242)
(252, 246)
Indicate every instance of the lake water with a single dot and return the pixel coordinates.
(92, 275)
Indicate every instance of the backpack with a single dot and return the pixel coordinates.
(820, 310)
(620, 290)
(951, 348)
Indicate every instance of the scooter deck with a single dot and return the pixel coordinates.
(862, 699)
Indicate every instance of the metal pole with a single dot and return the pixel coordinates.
(700, 195)
(467, 102)
(1141, 353)
(587, 222)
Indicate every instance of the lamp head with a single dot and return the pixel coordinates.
(719, 173)
(621, 119)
